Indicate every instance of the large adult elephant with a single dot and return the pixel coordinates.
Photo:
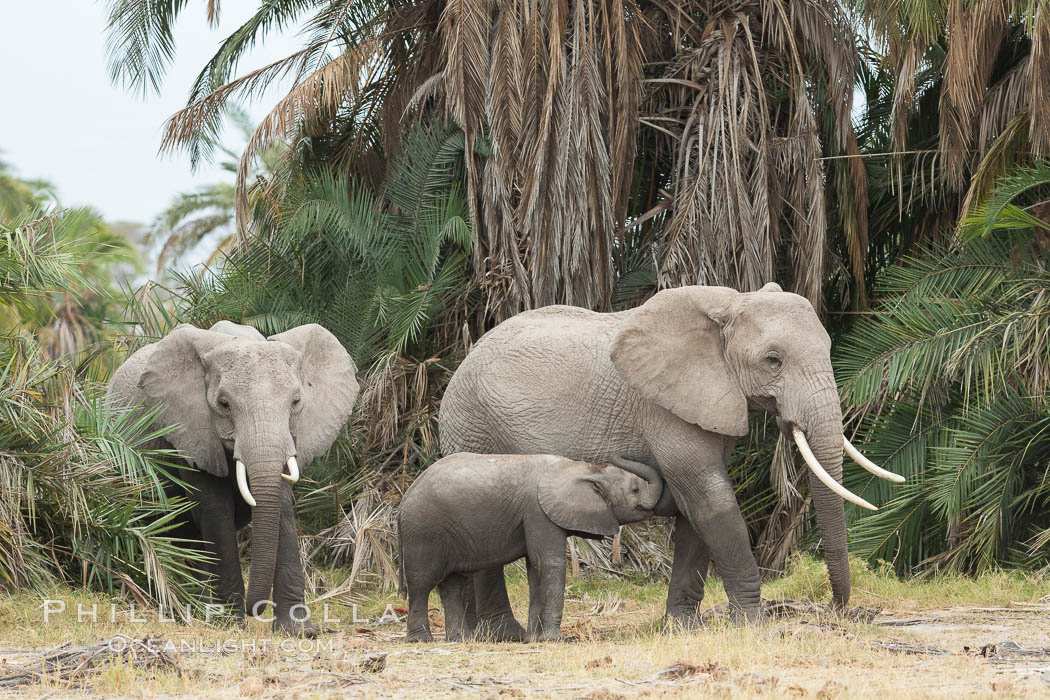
(244, 413)
(671, 383)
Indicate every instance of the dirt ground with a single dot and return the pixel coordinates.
(972, 638)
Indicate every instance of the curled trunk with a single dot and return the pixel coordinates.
(658, 497)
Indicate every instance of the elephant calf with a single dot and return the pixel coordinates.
(470, 512)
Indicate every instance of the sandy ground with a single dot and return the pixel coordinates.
(616, 647)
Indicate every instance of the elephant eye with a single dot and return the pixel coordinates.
(634, 488)
(774, 361)
(224, 402)
(297, 400)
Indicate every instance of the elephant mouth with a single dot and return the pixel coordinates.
(291, 476)
(763, 403)
(799, 436)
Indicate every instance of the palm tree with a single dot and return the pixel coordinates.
(978, 73)
(209, 211)
(688, 136)
(17, 194)
(80, 500)
(386, 270)
(950, 385)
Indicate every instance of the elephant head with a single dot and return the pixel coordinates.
(709, 354)
(597, 498)
(266, 406)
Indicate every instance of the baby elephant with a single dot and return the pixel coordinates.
(470, 512)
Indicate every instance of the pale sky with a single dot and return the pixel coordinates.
(62, 120)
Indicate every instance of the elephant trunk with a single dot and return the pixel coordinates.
(266, 522)
(264, 446)
(657, 496)
(824, 435)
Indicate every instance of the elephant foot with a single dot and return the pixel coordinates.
(231, 618)
(456, 635)
(685, 622)
(501, 629)
(746, 616)
(685, 616)
(719, 614)
(292, 628)
(552, 636)
(419, 636)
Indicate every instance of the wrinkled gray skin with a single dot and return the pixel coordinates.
(232, 394)
(670, 382)
(469, 512)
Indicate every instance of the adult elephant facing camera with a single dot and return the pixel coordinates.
(244, 412)
(671, 383)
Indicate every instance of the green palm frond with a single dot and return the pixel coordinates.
(949, 384)
(83, 498)
(999, 212)
(141, 41)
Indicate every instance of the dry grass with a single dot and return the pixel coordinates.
(617, 647)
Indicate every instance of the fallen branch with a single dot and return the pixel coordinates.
(72, 664)
(909, 648)
(797, 608)
(907, 622)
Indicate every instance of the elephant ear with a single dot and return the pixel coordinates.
(672, 352)
(174, 379)
(329, 378)
(573, 497)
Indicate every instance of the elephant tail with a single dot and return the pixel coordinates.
(402, 587)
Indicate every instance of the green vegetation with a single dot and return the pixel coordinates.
(80, 502)
(438, 166)
(949, 382)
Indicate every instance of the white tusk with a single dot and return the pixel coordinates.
(822, 474)
(242, 484)
(293, 471)
(863, 461)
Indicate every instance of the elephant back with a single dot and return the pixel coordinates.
(534, 385)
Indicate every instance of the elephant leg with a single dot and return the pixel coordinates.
(214, 518)
(694, 465)
(495, 620)
(470, 607)
(552, 595)
(534, 599)
(419, 610)
(715, 515)
(685, 591)
(291, 615)
(545, 547)
(451, 591)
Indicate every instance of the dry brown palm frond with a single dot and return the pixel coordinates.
(557, 87)
(1039, 73)
(214, 9)
(643, 550)
(315, 99)
(747, 170)
(398, 393)
(366, 539)
(786, 523)
(549, 97)
(187, 124)
(980, 96)
(975, 32)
